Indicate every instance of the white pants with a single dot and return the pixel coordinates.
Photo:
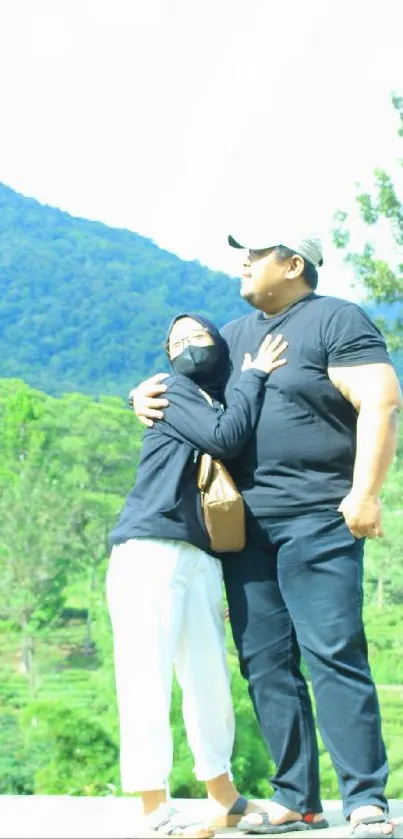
(165, 603)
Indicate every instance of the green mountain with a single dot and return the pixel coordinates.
(85, 307)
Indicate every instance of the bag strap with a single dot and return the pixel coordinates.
(206, 396)
(204, 471)
(206, 460)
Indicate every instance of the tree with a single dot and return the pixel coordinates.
(384, 572)
(75, 754)
(66, 465)
(34, 519)
(382, 280)
(33, 566)
(383, 283)
(98, 451)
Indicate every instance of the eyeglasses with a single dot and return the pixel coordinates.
(196, 338)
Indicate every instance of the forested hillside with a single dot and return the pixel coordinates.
(84, 307)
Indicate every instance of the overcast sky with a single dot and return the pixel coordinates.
(175, 117)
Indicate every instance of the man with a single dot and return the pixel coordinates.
(311, 477)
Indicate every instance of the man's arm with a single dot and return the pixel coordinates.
(374, 390)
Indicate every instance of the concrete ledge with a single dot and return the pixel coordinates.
(65, 817)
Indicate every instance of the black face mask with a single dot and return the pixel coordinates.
(196, 362)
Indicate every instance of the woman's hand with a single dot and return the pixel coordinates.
(268, 356)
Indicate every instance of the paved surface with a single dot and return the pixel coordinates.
(64, 817)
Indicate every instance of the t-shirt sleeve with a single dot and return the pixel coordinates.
(352, 339)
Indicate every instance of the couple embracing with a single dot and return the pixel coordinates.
(303, 403)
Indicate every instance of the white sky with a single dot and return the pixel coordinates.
(174, 117)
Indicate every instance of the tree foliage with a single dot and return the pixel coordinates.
(65, 464)
(382, 279)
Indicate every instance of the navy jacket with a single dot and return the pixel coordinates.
(164, 502)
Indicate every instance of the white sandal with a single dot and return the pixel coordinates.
(169, 822)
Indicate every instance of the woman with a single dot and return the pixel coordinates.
(164, 585)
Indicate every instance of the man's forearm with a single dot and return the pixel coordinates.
(377, 433)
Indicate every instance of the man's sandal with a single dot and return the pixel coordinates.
(360, 828)
(266, 827)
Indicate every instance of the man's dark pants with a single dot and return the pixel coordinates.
(297, 588)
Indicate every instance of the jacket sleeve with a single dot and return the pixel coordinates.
(192, 419)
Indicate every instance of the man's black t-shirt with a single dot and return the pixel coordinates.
(302, 452)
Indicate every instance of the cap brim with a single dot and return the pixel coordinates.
(257, 246)
(234, 244)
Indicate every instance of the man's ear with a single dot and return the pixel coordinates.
(295, 267)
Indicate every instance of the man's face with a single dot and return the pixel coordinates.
(263, 276)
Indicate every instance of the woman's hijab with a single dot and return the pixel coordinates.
(214, 383)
